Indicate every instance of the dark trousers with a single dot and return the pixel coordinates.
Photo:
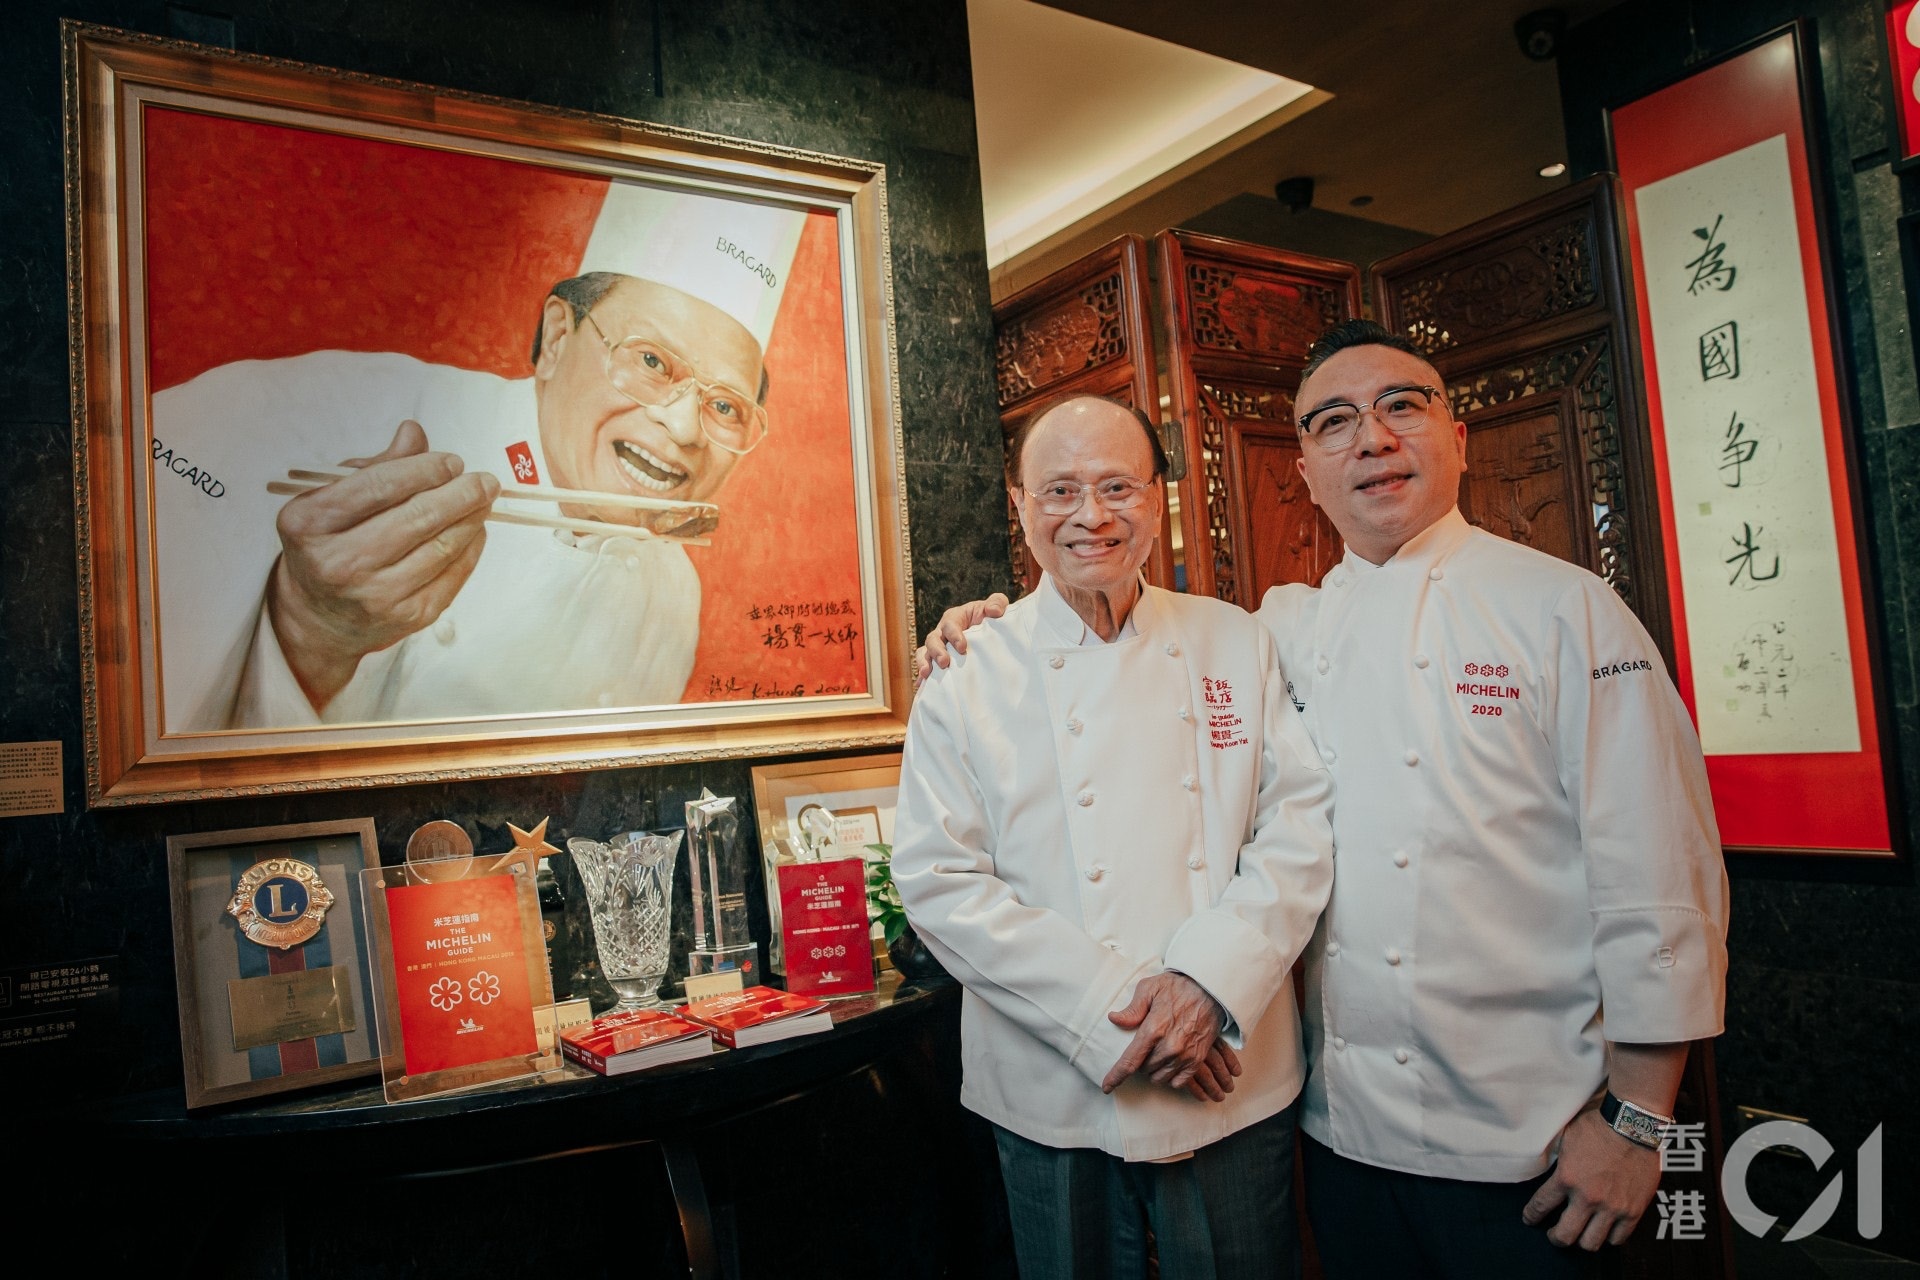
(1226, 1214)
(1370, 1222)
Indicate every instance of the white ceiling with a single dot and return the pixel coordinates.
(1077, 117)
(1431, 111)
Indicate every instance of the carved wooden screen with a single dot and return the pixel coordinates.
(1083, 328)
(1523, 315)
(1240, 318)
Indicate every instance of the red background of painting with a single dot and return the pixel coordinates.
(264, 241)
(1812, 801)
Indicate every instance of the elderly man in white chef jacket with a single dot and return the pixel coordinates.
(1529, 918)
(385, 597)
(1114, 831)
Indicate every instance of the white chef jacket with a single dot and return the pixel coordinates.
(547, 621)
(1073, 820)
(1527, 864)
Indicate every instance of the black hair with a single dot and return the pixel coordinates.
(1017, 442)
(1356, 333)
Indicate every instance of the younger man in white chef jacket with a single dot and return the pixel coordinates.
(1114, 831)
(1529, 918)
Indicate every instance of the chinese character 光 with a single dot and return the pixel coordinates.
(1746, 555)
(1683, 1215)
(1709, 271)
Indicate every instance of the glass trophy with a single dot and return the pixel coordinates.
(629, 882)
(722, 942)
(810, 837)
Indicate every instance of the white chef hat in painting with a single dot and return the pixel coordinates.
(732, 252)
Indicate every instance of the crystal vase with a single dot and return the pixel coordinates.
(629, 882)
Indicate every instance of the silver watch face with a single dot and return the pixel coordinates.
(1638, 1126)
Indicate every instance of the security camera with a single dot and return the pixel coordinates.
(1539, 33)
(1294, 194)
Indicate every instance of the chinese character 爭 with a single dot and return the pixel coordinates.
(1736, 452)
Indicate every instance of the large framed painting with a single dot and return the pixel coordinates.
(429, 436)
(1771, 595)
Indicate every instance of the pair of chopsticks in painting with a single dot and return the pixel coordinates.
(683, 522)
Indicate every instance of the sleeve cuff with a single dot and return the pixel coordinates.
(1234, 962)
(1663, 973)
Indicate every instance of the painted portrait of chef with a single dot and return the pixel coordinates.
(406, 579)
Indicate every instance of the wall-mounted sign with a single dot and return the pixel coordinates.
(1752, 456)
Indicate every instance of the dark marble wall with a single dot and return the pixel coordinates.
(1823, 998)
(888, 82)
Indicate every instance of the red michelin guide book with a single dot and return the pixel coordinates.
(620, 1042)
(823, 908)
(758, 1015)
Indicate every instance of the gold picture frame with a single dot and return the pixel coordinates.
(248, 982)
(193, 257)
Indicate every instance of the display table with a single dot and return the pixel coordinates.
(742, 1136)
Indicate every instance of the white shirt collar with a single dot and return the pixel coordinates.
(1422, 551)
(1071, 629)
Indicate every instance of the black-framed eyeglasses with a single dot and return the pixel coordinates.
(1400, 410)
(649, 372)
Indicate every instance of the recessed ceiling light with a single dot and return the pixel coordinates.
(1361, 202)
(1553, 170)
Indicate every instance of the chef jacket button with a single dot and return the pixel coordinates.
(1402, 1057)
(443, 630)
(1420, 661)
(1340, 1044)
(1173, 651)
(1413, 757)
(1337, 579)
(1327, 754)
(1188, 782)
(1435, 574)
(1111, 944)
(1196, 862)
(1333, 948)
(1084, 799)
(1323, 666)
(1400, 858)
(1186, 713)
(1393, 955)
(1074, 725)
(1095, 871)
(1056, 662)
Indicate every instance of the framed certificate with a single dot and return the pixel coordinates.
(267, 954)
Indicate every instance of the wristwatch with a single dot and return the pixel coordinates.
(1635, 1124)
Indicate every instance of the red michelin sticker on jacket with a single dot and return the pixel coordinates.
(1225, 728)
(1485, 689)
